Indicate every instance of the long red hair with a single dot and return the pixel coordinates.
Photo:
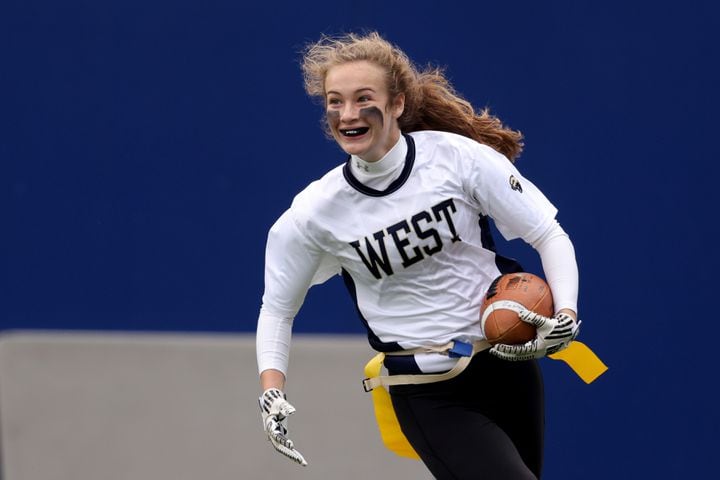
(431, 102)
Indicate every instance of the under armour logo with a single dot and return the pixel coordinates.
(359, 165)
(515, 184)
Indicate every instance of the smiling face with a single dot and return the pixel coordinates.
(360, 113)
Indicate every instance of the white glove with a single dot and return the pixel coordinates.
(553, 334)
(275, 410)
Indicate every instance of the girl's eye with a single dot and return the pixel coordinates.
(364, 98)
(333, 101)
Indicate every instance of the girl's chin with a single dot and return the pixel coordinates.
(354, 148)
(358, 146)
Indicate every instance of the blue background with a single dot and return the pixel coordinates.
(147, 147)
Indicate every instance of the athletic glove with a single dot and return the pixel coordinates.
(553, 334)
(275, 410)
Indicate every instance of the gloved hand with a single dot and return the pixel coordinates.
(553, 334)
(275, 410)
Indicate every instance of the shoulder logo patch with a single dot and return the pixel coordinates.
(515, 184)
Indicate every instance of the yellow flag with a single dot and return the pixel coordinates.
(393, 438)
(582, 360)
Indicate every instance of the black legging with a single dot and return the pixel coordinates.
(487, 423)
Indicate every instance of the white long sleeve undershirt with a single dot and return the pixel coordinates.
(273, 341)
(557, 255)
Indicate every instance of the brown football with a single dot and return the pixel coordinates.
(498, 313)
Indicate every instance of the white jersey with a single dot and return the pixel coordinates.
(416, 256)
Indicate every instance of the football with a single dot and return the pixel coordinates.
(507, 294)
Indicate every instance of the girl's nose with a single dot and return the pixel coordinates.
(349, 113)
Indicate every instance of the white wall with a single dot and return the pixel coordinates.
(90, 406)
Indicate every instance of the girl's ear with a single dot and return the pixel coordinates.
(398, 105)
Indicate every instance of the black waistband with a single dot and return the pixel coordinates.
(401, 365)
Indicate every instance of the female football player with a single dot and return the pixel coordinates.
(405, 222)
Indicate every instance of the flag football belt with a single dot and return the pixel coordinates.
(579, 357)
(463, 351)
